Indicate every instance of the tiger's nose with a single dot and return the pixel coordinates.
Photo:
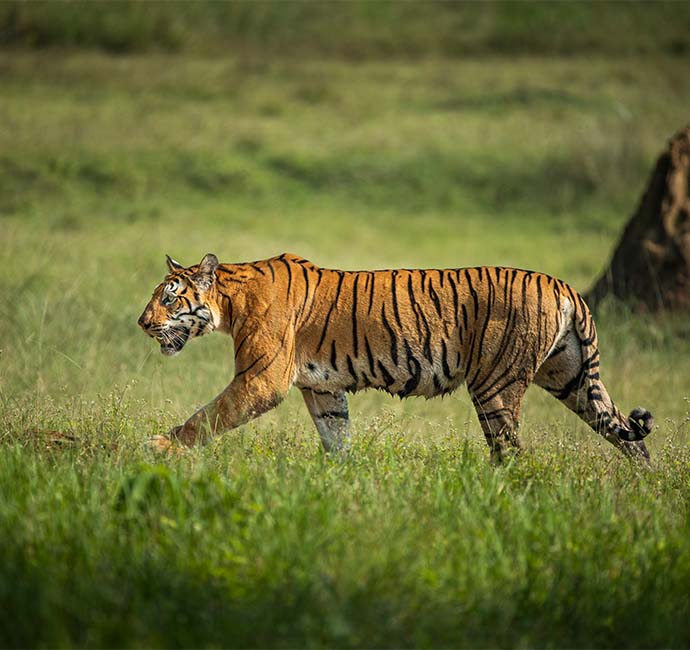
(144, 321)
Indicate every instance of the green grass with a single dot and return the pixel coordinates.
(358, 29)
(106, 164)
(263, 542)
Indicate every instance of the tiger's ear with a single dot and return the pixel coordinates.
(172, 264)
(206, 274)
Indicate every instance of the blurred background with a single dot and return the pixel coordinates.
(358, 134)
(353, 30)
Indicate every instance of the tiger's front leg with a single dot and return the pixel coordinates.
(239, 403)
(262, 380)
(330, 415)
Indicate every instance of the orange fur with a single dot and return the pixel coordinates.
(408, 332)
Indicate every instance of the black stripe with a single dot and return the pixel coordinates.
(498, 414)
(594, 393)
(250, 366)
(351, 369)
(273, 359)
(306, 291)
(187, 301)
(341, 277)
(370, 357)
(525, 278)
(355, 342)
(444, 360)
(469, 358)
(391, 333)
(339, 415)
(325, 327)
(427, 338)
(276, 355)
(387, 377)
(573, 298)
(228, 278)
(556, 351)
(313, 300)
(289, 272)
(489, 392)
(334, 356)
(394, 294)
(414, 368)
(330, 311)
(468, 280)
(434, 298)
(573, 384)
(413, 304)
(238, 347)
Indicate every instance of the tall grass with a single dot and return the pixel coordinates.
(264, 542)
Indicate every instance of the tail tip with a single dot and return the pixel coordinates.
(641, 422)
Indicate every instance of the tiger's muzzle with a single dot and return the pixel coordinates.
(172, 340)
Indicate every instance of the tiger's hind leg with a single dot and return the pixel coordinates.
(330, 415)
(499, 417)
(571, 374)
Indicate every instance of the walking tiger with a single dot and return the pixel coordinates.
(407, 332)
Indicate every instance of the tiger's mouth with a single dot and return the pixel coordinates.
(173, 342)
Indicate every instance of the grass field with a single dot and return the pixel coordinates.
(108, 163)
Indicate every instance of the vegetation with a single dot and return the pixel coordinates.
(357, 29)
(107, 163)
(413, 541)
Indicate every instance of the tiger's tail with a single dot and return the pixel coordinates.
(601, 413)
(641, 423)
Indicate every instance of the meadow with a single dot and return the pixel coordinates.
(107, 163)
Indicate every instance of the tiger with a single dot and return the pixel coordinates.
(408, 332)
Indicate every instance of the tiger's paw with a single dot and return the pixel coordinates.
(163, 445)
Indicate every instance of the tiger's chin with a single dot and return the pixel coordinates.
(170, 348)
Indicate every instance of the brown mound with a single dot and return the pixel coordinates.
(650, 267)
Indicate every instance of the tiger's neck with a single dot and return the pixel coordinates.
(230, 293)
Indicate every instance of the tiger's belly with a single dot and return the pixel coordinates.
(410, 377)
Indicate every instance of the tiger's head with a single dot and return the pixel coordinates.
(183, 305)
